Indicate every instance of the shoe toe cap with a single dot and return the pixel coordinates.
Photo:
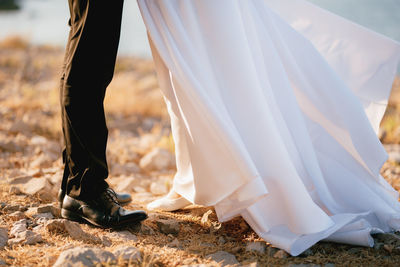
(132, 215)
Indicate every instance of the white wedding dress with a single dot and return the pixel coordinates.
(275, 106)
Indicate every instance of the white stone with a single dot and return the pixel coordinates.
(38, 140)
(49, 208)
(148, 123)
(158, 159)
(147, 141)
(146, 230)
(82, 256)
(56, 179)
(126, 186)
(259, 247)
(43, 161)
(72, 228)
(124, 183)
(32, 238)
(168, 226)
(22, 179)
(43, 216)
(19, 127)
(175, 243)
(394, 156)
(18, 227)
(281, 254)
(38, 229)
(26, 238)
(123, 236)
(41, 188)
(35, 173)
(223, 258)
(124, 169)
(3, 237)
(144, 197)
(159, 188)
(51, 148)
(15, 190)
(106, 241)
(128, 253)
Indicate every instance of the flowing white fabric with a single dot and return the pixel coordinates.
(274, 109)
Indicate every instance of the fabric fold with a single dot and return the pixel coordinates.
(274, 108)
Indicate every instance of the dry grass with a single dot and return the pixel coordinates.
(29, 92)
(390, 127)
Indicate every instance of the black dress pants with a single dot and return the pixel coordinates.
(87, 71)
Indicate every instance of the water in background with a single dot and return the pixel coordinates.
(45, 21)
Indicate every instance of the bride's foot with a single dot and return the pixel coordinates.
(171, 202)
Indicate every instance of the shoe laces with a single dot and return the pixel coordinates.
(111, 195)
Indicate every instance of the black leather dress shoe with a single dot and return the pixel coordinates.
(122, 198)
(104, 211)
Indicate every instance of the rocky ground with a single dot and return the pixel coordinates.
(141, 160)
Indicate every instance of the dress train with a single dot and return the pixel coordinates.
(274, 107)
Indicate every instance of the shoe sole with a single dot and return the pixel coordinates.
(73, 216)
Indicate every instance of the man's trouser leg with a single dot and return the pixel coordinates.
(88, 69)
